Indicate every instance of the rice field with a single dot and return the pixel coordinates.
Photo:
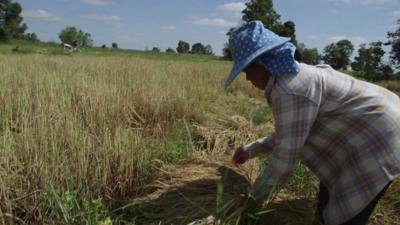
(84, 136)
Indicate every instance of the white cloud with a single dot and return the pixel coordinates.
(212, 22)
(396, 14)
(170, 27)
(102, 18)
(99, 2)
(39, 14)
(356, 40)
(233, 6)
(233, 9)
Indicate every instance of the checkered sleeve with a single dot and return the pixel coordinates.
(294, 116)
(259, 147)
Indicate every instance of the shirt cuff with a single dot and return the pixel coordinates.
(261, 146)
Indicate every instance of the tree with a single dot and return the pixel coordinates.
(10, 21)
(170, 50)
(311, 56)
(226, 52)
(287, 29)
(208, 50)
(263, 10)
(72, 36)
(394, 41)
(114, 45)
(387, 71)
(198, 48)
(183, 47)
(369, 62)
(156, 50)
(104, 46)
(31, 37)
(338, 54)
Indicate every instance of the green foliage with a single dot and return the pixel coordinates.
(75, 37)
(183, 47)
(17, 49)
(233, 212)
(394, 41)
(263, 10)
(179, 149)
(227, 53)
(114, 45)
(170, 50)
(31, 37)
(261, 115)
(338, 54)
(55, 49)
(72, 207)
(309, 55)
(10, 21)
(287, 29)
(198, 48)
(156, 50)
(180, 145)
(302, 182)
(369, 62)
(208, 50)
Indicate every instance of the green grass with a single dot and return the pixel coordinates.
(26, 47)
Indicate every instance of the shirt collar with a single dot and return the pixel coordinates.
(268, 88)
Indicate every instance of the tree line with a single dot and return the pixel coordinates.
(369, 63)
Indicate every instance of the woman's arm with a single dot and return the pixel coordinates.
(260, 146)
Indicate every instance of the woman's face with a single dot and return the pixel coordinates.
(257, 75)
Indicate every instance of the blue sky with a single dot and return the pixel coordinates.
(135, 24)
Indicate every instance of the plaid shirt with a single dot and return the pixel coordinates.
(345, 130)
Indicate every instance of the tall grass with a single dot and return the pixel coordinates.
(91, 127)
(81, 135)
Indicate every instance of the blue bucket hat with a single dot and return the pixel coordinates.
(252, 41)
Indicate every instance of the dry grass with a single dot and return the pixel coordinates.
(393, 85)
(187, 193)
(83, 136)
(93, 126)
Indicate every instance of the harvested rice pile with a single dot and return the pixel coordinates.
(187, 194)
(206, 188)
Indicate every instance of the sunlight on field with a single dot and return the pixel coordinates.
(92, 127)
(82, 136)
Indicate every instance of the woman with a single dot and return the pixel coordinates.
(345, 130)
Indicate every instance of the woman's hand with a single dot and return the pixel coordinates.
(240, 156)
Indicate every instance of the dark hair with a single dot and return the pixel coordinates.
(298, 56)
